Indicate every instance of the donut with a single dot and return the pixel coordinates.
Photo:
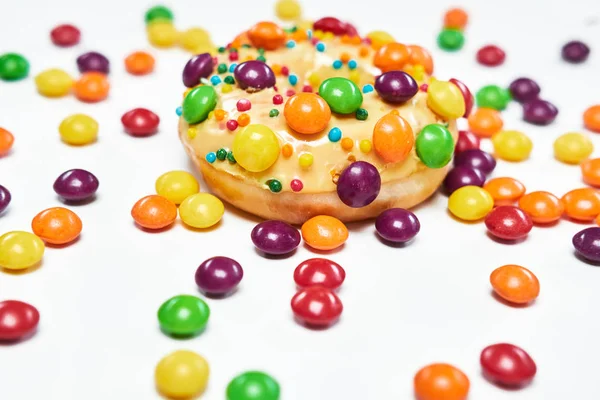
(291, 124)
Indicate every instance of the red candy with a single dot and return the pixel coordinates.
(508, 222)
(17, 319)
(140, 122)
(466, 141)
(243, 105)
(466, 95)
(65, 35)
(491, 55)
(507, 365)
(317, 306)
(296, 185)
(333, 25)
(232, 124)
(319, 272)
(277, 99)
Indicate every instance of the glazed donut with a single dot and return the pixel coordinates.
(378, 135)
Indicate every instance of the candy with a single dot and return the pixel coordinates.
(196, 40)
(575, 52)
(485, 122)
(139, 63)
(255, 75)
(539, 112)
(158, 13)
(508, 223)
(515, 284)
(542, 207)
(140, 122)
(397, 225)
(256, 148)
(507, 365)
(445, 99)
(198, 67)
(307, 113)
(198, 103)
(266, 35)
(275, 237)
(466, 141)
(524, 90)
(491, 56)
(13, 67)
(319, 272)
(476, 159)
(176, 186)
(317, 306)
(154, 212)
(493, 96)
(451, 40)
(591, 118)
(219, 275)
(396, 86)
(342, 95)
(76, 185)
(379, 38)
(162, 34)
(441, 381)
(362, 114)
(420, 56)
(332, 25)
(391, 57)
(512, 145)
(182, 374)
(6, 141)
(590, 169)
(65, 35)
(17, 320)
(470, 203)
(183, 316)
(253, 385)
(435, 146)
(53, 83)
(57, 225)
(274, 185)
(359, 184)
(93, 62)
(505, 191)
(587, 244)
(324, 232)
(78, 129)
(5, 198)
(456, 18)
(20, 250)
(467, 96)
(463, 176)
(287, 10)
(572, 148)
(91, 87)
(393, 138)
(201, 210)
(582, 204)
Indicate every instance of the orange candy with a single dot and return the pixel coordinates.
(456, 18)
(139, 63)
(542, 207)
(266, 35)
(420, 56)
(154, 212)
(287, 150)
(6, 141)
(91, 87)
(591, 118)
(243, 119)
(241, 40)
(324, 232)
(307, 113)
(347, 143)
(391, 56)
(441, 381)
(56, 225)
(393, 138)
(590, 170)
(485, 122)
(582, 204)
(515, 284)
(504, 191)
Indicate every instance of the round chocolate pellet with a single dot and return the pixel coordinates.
(507, 365)
(4, 198)
(254, 74)
(396, 86)
(219, 275)
(463, 176)
(539, 112)
(93, 61)
(275, 237)
(475, 159)
(198, 67)
(524, 90)
(397, 225)
(359, 184)
(575, 52)
(76, 185)
(587, 243)
(65, 35)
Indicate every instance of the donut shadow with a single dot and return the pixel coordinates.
(24, 271)
(241, 213)
(324, 252)
(314, 327)
(509, 242)
(275, 256)
(586, 260)
(499, 299)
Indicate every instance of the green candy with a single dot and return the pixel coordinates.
(451, 39)
(253, 385)
(221, 154)
(183, 316)
(493, 96)
(275, 186)
(199, 103)
(342, 95)
(435, 146)
(13, 67)
(158, 13)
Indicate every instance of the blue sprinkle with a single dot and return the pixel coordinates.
(232, 67)
(335, 134)
(367, 88)
(215, 80)
(179, 111)
(352, 64)
(211, 157)
(309, 33)
(321, 47)
(290, 44)
(293, 79)
(337, 64)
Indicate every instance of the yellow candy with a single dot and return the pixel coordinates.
(20, 250)
(182, 374)
(53, 83)
(512, 145)
(470, 203)
(288, 10)
(572, 148)
(226, 88)
(365, 145)
(354, 76)
(194, 38)
(177, 185)
(379, 38)
(201, 210)
(192, 132)
(306, 160)
(314, 79)
(162, 34)
(78, 129)
(256, 148)
(445, 99)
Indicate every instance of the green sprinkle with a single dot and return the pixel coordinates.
(222, 68)
(261, 58)
(222, 49)
(232, 50)
(362, 114)
(246, 46)
(261, 51)
(230, 157)
(274, 185)
(221, 154)
(273, 113)
(229, 80)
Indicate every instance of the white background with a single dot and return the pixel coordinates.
(404, 307)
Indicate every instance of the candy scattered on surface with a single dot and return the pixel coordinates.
(512, 145)
(491, 56)
(573, 148)
(435, 146)
(342, 95)
(154, 212)
(78, 129)
(287, 10)
(515, 284)
(397, 225)
(476, 159)
(396, 86)
(456, 18)
(462, 176)
(324, 232)
(5, 198)
(542, 207)
(182, 374)
(524, 90)
(183, 316)
(508, 223)
(93, 62)
(255, 75)
(139, 63)
(539, 112)
(201, 210)
(17, 320)
(393, 138)
(65, 35)
(466, 141)
(441, 381)
(198, 103)
(317, 306)
(451, 39)
(20, 250)
(582, 204)
(485, 122)
(162, 34)
(275, 237)
(158, 13)
(57, 225)
(319, 272)
(76, 185)
(140, 122)
(13, 67)
(591, 118)
(6, 141)
(219, 275)
(505, 191)
(470, 203)
(256, 148)
(53, 83)
(493, 96)
(590, 169)
(575, 52)
(91, 87)
(507, 365)
(176, 186)
(587, 243)
(359, 184)
(198, 67)
(307, 113)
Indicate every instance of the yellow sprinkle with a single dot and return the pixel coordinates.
(226, 88)
(354, 76)
(365, 145)
(328, 36)
(192, 132)
(418, 72)
(306, 160)
(319, 34)
(211, 114)
(314, 79)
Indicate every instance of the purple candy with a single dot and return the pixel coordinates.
(198, 67)
(93, 61)
(219, 275)
(359, 184)
(463, 176)
(254, 74)
(4, 198)
(397, 225)
(396, 86)
(587, 243)
(539, 112)
(76, 185)
(524, 90)
(575, 52)
(475, 159)
(275, 237)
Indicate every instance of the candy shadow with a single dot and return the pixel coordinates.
(62, 246)
(219, 296)
(24, 271)
(275, 256)
(18, 341)
(509, 388)
(508, 303)
(337, 290)
(462, 221)
(547, 224)
(209, 229)
(324, 252)
(585, 260)
(578, 221)
(506, 241)
(313, 327)
(184, 337)
(146, 230)
(77, 203)
(397, 245)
